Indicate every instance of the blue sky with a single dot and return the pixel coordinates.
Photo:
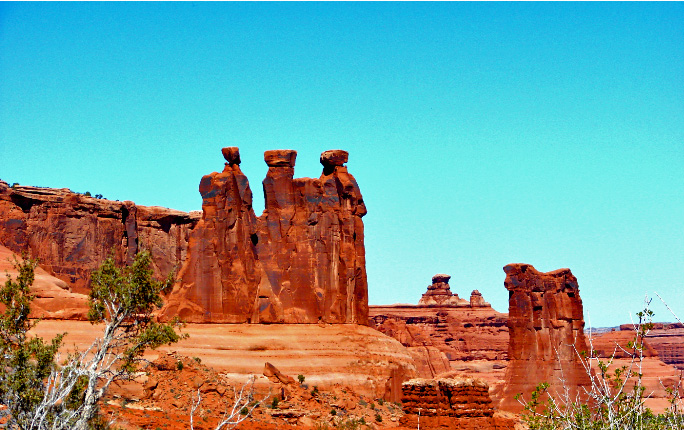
(480, 133)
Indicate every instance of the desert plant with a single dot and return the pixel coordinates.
(67, 396)
(241, 409)
(24, 361)
(615, 397)
(300, 378)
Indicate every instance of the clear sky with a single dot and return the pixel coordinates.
(481, 134)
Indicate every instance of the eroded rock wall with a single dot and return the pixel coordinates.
(71, 234)
(546, 329)
(301, 261)
(459, 403)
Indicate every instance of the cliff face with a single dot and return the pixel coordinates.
(667, 339)
(546, 328)
(301, 261)
(71, 234)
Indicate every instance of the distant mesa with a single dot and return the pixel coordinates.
(439, 294)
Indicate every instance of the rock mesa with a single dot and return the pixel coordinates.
(72, 234)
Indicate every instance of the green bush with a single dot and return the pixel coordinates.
(615, 399)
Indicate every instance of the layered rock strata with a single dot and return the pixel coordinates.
(301, 261)
(460, 336)
(439, 293)
(71, 234)
(458, 403)
(667, 339)
(546, 332)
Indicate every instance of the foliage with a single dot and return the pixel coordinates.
(24, 361)
(39, 393)
(300, 378)
(615, 399)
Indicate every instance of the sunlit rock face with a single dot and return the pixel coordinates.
(71, 234)
(446, 334)
(546, 332)
(301, 261)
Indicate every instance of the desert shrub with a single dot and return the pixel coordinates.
(274, 402)
(300, 378)
(378, 418)
(179, 365)
(41, 394)
(615, 399)
(333, 412)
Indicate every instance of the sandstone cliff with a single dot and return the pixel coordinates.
(71, 234)
(301, 261)
(667, 339)
(546, 328)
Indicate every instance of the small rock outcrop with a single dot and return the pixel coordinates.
(459, 403)
(301, 261)
(72, 234)
(439, 293)
(546, 332)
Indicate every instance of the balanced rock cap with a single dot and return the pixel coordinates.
(231, 154)
(334, 157)
(280, 157)
(440, 277)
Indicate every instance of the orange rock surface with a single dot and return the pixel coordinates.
(349, 354)
(668, 340)
(459, 336)
(546, 328)
(53, 299)
(301, 261)
(457, 403)
(71, 234)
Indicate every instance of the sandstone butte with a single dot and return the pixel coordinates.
(448, 335)
(546, 333)
(301, 261)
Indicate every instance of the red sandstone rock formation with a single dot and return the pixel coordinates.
(53, 299)
(471, 338)
(667, 339)
(301, 261)
(546, 328)
(71, 234)
(439, 293)
(462, 404)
